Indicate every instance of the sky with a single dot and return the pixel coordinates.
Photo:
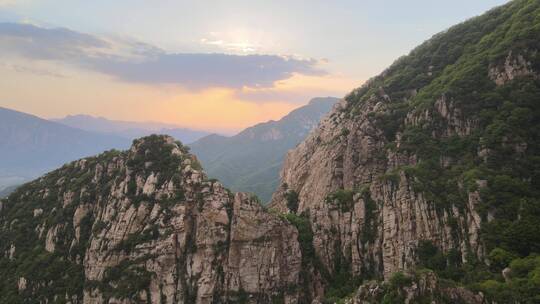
(212, 65)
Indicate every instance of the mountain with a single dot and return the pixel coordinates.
(7, 191)
(432, 164)
(422, 186)
(250, 161)
(31, 146)
(142, 226)
(128, 129)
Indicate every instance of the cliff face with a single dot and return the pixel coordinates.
(142, 226)
(433, 164)
(363, 207)
(419, 153)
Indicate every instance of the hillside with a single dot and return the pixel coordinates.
(250, 161)
(422, 186)
(143, 225)
(128, 129)
(31, 146)
(432, 164)
(7, 191)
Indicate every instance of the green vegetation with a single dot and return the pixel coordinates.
(342, 198)
(446, 265)
(341, 283)
(310, 261)
(30, 259)
(469, 134)
(125, 281)
(392, 292)
(305, 237)
(465, 135)
(292, 200)
(86, 185)
(522, 285)
(163, 161)
(247, 162)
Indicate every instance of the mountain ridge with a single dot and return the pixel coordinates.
(422, 186)
(431, 164)
(130, 129)
(144, 224)
(31, 146)
(250, 160)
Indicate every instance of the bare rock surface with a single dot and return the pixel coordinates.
(147, 226)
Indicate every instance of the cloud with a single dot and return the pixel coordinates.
(30, 70)
(300, 88)
(137, 62)
(242, 47)
(7, 2)
(196, 70)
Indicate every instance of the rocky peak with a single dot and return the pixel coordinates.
(431, 165)
(143, 225)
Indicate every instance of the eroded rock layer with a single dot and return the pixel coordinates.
(439, 149)
(144, 226)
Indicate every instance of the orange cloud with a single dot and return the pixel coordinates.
(300, 88)
(94, 94)
(41, 91)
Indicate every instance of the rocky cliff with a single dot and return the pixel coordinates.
(422, 186)
(438, 150)
(143, 225)
(362, 204)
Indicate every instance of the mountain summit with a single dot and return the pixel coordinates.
(143, 225)
(422, 186)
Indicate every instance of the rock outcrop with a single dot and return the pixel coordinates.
(415, 154)
(421, 287)
(377, 227)
(431, 165)
(147, 226)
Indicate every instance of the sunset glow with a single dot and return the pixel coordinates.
(219, 69)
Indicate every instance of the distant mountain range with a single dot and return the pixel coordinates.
(7, 191)
(31, 146)
(250, 161)
(130, 129)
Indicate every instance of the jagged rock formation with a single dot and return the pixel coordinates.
(426, 151)
(143, 225)
(421, 287)
(396, 216)
(433, 164)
